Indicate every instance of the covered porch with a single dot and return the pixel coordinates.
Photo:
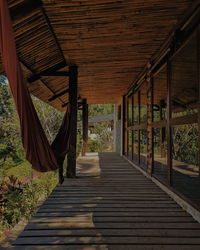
(143, 57)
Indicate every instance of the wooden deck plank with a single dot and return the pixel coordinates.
(110, 247)
(109, 209)
(107, 240)
(94, 219)
(109, 206)
(114, 232)
(74, 224)
(114, 214)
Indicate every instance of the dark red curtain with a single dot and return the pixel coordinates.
(39, 152)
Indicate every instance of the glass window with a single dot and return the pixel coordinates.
(160, 168)
(160, 95)
(130, 111)
(136, 146)
(136, 109)
(184, 100)
(143, 104)
(185, 161)
(143, 148)
(130, 143)
(185, 88)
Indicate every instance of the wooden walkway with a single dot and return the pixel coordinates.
(109, 206)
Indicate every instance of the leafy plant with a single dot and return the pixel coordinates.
(19, 200)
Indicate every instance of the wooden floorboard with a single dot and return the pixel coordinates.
(110, 205)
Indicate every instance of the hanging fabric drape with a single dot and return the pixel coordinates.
(39, 152)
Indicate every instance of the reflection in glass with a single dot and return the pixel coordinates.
(143, 104)
(136, 109)
(136, 146)
(160, 169)
(185, 88)
(130, 112)
(160, 96)
(143, 148)
(130, 142)
(185, 161)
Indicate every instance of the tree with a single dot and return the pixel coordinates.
(104, 141)
(50, 118)
(11, 150)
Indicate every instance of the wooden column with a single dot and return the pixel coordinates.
(132, 124)
(123, 125)
(85, 127)
(198, 70)
(139, 130)
(126, 126)
(169, 127)
(71, 159)
(149, 83)
(61, 177)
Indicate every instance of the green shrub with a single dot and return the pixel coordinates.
(93, 145)
(19, 200)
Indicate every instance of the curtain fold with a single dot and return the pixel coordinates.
(43, 156)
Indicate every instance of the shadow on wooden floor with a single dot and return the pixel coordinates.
(109, 206)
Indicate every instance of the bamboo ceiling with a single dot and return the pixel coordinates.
(109, 40)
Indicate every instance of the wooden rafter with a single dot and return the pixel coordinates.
(22, 10)
(30, 70)
(58, 95)
(51, 71)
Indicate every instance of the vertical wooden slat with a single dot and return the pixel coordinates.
(198, 72)
(85, 127)
(127, 124)
(123, 125)
(61, 177)
(71, 159)
(169, 127)
(139, 130)
(132, 133)
(149, 83)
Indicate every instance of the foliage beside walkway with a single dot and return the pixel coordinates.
(20, 194)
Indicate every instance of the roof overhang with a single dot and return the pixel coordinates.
(109, 41)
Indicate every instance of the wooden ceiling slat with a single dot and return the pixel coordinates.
(110, 40)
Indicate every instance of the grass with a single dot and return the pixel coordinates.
(20, 171)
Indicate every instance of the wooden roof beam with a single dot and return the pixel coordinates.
(26, 66)
(58, 95)
(52, 71)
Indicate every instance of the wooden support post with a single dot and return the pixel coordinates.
(85, 127)
(139, 130)
(127, 131)
(198, 70)
(61, 177)
(149, 84)
(169, 127)
(71, 159)
(132, 124)
(123, 125)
